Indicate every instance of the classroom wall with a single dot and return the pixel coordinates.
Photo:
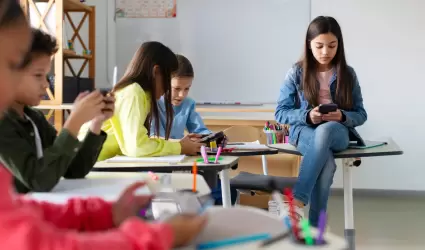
(384, 43)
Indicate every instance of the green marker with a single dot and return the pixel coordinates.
(305, 226)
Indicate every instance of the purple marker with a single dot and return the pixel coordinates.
(322, 226)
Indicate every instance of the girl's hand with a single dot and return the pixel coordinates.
(186, 228)
(315, 116)
(195, 137)
(129, 204)
(189, 147)
(333, 116)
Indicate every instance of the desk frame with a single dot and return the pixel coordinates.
(348, 157)
(224, 172)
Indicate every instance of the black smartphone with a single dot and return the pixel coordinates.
(212, 137)
(327, 108)
(104, 91)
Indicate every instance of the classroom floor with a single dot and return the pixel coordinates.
(385, 223)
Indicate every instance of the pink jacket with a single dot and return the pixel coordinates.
(78, 225)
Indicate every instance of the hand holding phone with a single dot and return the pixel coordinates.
(327, 108)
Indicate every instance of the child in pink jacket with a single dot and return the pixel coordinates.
(80, 224)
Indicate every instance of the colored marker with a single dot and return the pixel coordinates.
(288, 194)
(153, 176)
(305, 226)
(233, 241)
(275, 239)
(217, 156)
(322, 226)
(204, 154)
(195, 172)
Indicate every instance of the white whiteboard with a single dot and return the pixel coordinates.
(240, 49)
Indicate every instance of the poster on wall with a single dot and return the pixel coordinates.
(145, 8)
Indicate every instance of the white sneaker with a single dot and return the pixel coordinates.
(285, 211)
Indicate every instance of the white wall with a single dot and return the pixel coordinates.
(384, 42)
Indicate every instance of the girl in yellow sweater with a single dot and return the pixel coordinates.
(147, 78)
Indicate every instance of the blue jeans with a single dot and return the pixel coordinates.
(318, 166)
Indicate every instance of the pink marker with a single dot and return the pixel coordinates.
(153, 176)
(217, 156)
(204, 154)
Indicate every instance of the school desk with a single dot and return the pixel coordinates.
(109, 185)
(223, 167)
(391, 148)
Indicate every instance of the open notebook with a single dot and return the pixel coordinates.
(160, 159)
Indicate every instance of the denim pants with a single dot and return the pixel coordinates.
(318, 166)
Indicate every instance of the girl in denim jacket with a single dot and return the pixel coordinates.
(321, 77)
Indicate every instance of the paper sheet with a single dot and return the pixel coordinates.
(106, 188)
(247, 145)
(159, 159)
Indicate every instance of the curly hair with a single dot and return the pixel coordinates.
(42, 44)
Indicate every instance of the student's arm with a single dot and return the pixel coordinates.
(133, 137)
(357, 116)
(37, 174)
(194, 123)
(26, 229)
(286, 110)
(87, 155)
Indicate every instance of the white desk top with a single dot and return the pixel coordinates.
(110, 185)
(391, 148)
(187, 164)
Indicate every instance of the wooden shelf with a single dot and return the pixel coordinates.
(73, 5)
(69, 54)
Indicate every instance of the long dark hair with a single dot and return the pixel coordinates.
(310, 86)
(140, 71)
(10, 11)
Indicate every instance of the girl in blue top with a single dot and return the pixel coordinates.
(185, 116)
(321, 77)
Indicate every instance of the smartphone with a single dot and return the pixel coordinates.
(327, 108)
(212, 137)
(104, 91)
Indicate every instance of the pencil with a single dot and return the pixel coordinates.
(195, 172)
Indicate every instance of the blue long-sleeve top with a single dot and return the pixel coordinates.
(185, 117)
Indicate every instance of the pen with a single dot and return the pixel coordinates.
(204, 154)
(195, 172)
(307, 233)
(276, 239)
(322, 225)
(218, 154)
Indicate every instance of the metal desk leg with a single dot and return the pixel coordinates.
(225, 187)
(265, 168)
(349, 231)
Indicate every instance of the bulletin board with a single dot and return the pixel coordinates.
(146, 8)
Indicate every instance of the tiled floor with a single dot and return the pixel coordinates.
(383, 223)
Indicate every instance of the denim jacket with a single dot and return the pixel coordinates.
(293, 108)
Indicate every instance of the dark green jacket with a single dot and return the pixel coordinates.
(63, 154)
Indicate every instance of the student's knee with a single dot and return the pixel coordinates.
(331, 133)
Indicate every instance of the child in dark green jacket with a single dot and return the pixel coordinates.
(30, 147)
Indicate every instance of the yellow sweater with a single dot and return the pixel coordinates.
(127, 134)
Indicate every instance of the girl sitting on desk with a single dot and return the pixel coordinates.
(321, 77)
(147, 78)
(185, 115)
